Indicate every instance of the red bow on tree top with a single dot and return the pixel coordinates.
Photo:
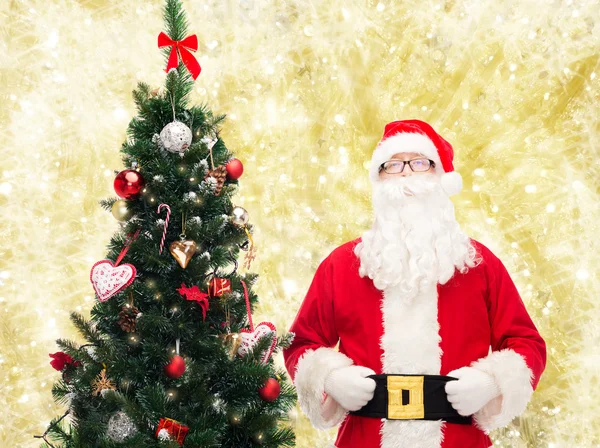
(184, 46)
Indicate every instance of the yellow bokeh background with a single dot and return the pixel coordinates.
(308, 87)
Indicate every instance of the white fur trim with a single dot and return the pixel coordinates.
(311, 371)
(451, 183)
(400, 143)
(513, 377)
(411, 344)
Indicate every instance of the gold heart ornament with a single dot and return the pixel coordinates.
(183, 251)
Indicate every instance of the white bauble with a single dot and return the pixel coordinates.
(176, 137)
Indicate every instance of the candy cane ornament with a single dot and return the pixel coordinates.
(162, 241)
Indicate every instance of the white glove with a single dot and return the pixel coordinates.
(350, 387)
(473, 390)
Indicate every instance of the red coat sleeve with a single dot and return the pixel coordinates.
(518, 355)
(311, 356)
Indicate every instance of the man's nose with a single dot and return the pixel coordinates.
(406, 171)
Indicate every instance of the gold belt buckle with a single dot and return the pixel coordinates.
(415, 409)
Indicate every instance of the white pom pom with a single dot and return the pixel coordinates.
(451, 183)
(163, 434)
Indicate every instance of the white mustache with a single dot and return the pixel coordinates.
(402, 187)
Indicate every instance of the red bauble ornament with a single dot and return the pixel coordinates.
(176, 367)
(270, 391)
(234, 169)
(128, 184)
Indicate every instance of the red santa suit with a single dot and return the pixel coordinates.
(444, 328)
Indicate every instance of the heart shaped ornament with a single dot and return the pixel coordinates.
(183, 251)
(250, 339)
(108, 279)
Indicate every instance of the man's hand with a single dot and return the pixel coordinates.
(473, 390)
(350, 387)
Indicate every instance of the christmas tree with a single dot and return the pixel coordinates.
(172, 356)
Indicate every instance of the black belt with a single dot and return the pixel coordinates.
(411, 397)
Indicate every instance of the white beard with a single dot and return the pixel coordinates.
(415, 241)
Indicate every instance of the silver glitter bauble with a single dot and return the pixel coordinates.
(120, 427)
(176, 137)
(239, 216)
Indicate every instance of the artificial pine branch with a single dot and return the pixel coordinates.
(74, 350)
(86, 328)
(53, 427)
(284, 342)
(176, 24)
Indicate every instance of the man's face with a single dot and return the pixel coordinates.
(407, 171)
(415, 240)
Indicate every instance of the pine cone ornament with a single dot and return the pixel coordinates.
(127, 318)
(220, 175)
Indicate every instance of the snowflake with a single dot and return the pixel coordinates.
(225, 220)
(190, 197)
(101, 383)
(219, 404)
(208, 185)
(202, 164)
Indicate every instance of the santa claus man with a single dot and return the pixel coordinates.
(436, 347)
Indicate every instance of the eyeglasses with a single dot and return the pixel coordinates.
(396, 166)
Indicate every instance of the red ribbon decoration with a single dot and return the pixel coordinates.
(130, 239)
(184, 46)
(60, 360)
(194, 294)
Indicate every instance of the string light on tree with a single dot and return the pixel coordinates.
(259, 437)
(235, 417)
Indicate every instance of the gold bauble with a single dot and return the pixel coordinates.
(239, 216)
(120, 211)
(231, 342)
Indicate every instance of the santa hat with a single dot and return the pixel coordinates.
(417, 136)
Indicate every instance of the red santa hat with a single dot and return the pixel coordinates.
(417, 136)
